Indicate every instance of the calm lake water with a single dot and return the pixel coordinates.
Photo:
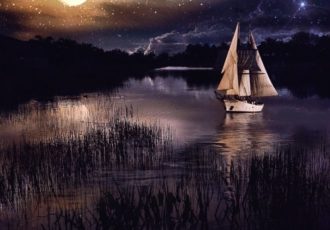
(193, 115)
(190, 115)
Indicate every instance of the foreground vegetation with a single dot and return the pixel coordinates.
(288, 189)
(32, 172)
(284, 189)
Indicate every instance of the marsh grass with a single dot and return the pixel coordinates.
(286, 189)
(37, 169)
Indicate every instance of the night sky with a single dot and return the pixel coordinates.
(161, 25)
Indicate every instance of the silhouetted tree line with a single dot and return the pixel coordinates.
(301, 64)
(43, 67)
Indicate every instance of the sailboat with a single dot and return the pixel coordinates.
(244, 77)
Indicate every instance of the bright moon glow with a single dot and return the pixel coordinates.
(302, 4)
(73, 2)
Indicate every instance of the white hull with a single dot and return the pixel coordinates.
(233, 105)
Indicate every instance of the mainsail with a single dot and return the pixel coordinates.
(261, 83)
(229, 83)
(245, 86)
(244, 73)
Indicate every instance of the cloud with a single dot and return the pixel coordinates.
(175, 41)
(9, 22)
(167, 43)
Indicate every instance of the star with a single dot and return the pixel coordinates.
(302, 4)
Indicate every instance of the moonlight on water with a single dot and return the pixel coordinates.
(73, 2)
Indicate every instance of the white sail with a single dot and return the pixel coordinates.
(244, 75)
(260, 82)
(229, 82)
(245, 87)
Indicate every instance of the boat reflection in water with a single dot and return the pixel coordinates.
(243, 133)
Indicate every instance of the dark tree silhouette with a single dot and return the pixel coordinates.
(44, 67)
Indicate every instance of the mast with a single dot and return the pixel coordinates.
(229, 83)
(261, 85)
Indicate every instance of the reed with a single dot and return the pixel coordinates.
(34, 169)
(285, 189)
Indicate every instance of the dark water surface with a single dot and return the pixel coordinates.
(196, 116)
(193, 114)
(187, 116)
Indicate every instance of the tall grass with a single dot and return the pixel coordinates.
(286, 189)
(29, 169)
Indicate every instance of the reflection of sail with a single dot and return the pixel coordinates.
(243, 134)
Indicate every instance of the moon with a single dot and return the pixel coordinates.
(73, 2)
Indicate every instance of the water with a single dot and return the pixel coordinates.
(193, 114)
(188, 113)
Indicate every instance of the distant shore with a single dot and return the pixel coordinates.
(43, 67)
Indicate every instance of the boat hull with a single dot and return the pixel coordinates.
(238, 106)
